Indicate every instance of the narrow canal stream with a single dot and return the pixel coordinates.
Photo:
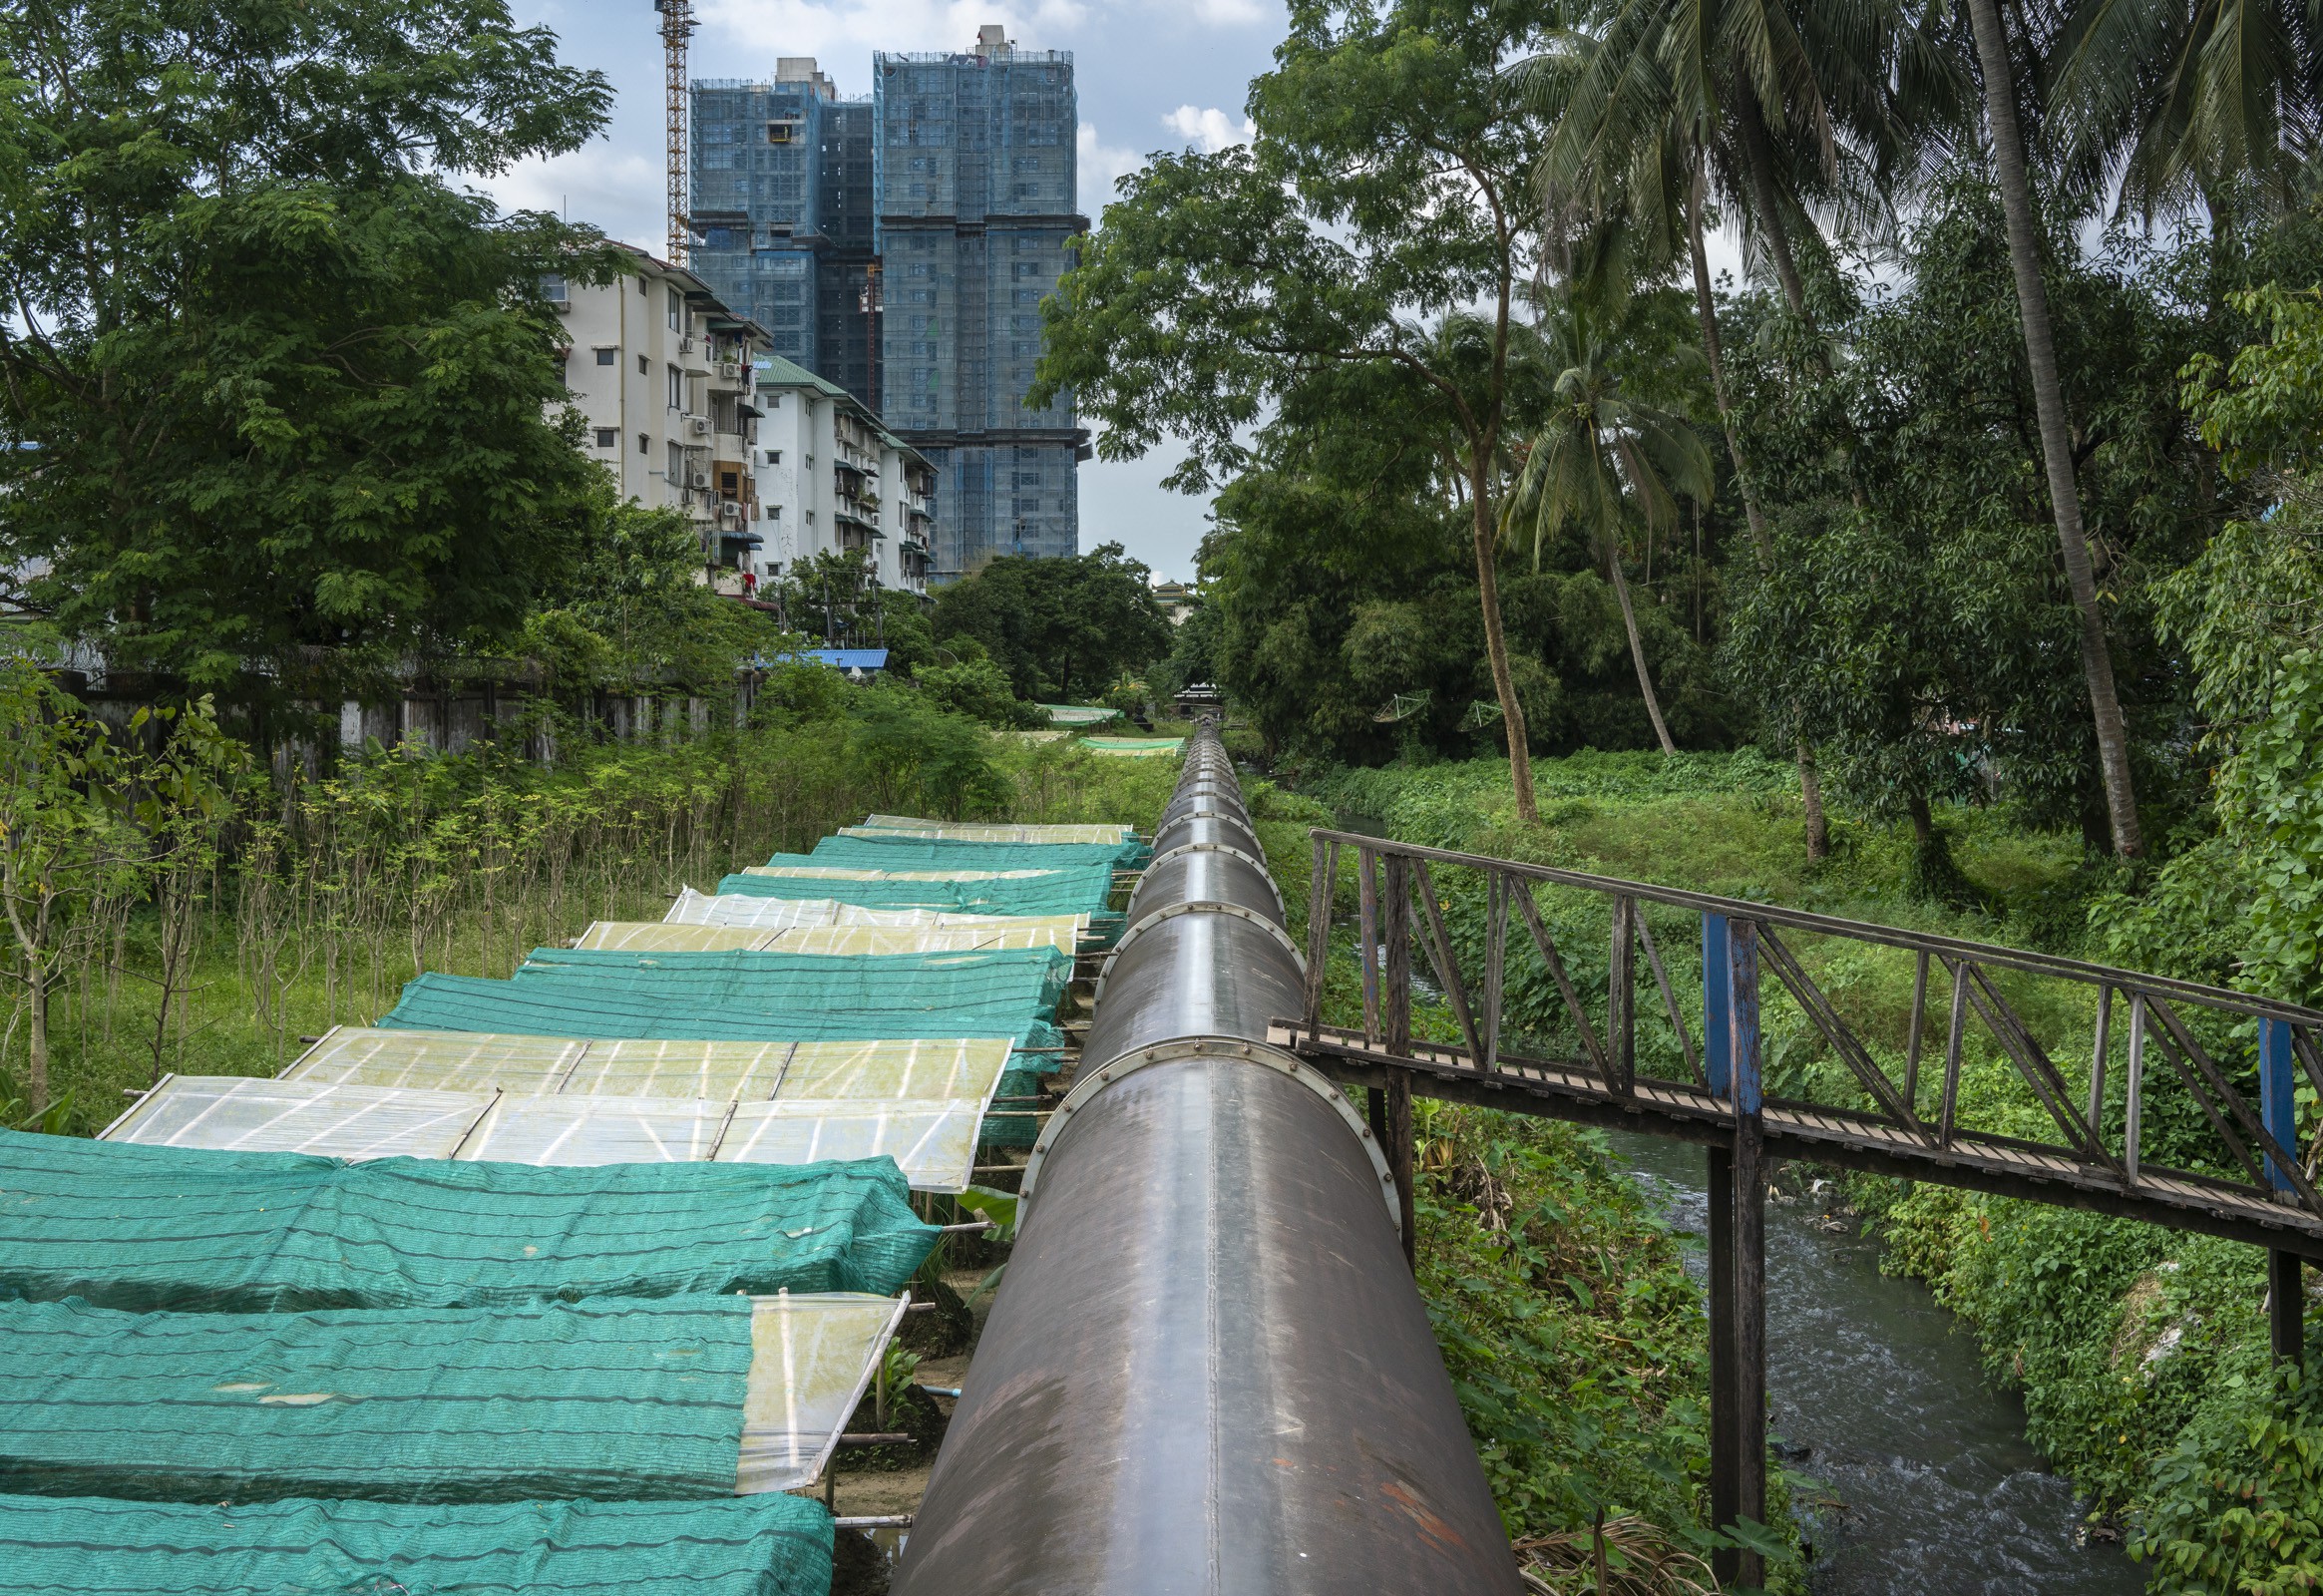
(1925, 1481)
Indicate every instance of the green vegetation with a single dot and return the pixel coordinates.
(274, 382)
(184, 914)
(1062, 631)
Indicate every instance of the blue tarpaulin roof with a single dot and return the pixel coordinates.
(850, 658)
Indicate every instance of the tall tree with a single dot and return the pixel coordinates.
(276, 389)
(1385, 187)
(2024, 229)
(2179, 102)
(1767, 109)
(1060, 629)
(1604, 455)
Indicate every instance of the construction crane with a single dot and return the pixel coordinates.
(677, 26)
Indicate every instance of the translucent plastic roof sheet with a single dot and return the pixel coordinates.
(616, 1398)
(624, 935)
(663, 935)
(234, 1113)
(888, 850)
(145, 1228)
(970, 831)
(805, 872)
(441, 1060)
(727, 1070)
(583, 1130)
(761, 1546)
(1135, 747)
(808, 1371)
(1078, 715)
(780, 913)
(932, 1140)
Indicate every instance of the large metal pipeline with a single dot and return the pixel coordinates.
(1207, 1372)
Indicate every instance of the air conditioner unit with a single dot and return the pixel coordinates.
(685, 346)
(729, 371)
(698, 426)
(700, 479)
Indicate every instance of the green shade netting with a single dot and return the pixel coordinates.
(900, 850)
(146, 1228)
(766, 1545)
(614, 1397)
(1001, 984)
(579, 1004)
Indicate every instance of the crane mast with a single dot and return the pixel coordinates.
(678, 24)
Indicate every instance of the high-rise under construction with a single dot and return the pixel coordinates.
(900, 247)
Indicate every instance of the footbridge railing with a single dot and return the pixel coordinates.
(2129, 1094)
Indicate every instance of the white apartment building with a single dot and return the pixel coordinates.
(832, 478)
(663, 374)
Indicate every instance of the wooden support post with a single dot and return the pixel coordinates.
(2286, 1291)
(1717, 988)
(1738, 1243)
(1398, 939)
(1318, 889)
(2133, 1090)
(1398, 1150)
(1368, 929)
(2286, 1307)
(1621, 995)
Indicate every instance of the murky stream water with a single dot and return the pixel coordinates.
(1926, 1482)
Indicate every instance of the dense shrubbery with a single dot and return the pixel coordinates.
(206, 926)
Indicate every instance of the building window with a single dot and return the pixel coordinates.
(609, 437)
(643, 370)
(676, 389)
(644, 444)
(606, 357)
(552, 287)
(676, 312)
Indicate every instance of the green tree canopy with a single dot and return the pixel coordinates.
(278, 391)
(1060, 629)
(1386, 189)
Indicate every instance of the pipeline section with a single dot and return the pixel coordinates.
(1207, 1370)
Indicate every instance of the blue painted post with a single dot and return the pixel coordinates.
(1717, 989)
(1737, 1240)
(2286, 1287)
(2275, 1109)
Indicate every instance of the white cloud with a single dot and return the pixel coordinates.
(1209, 129)
(741, 37)
(1100, 166)
(1231, 13)
(620, 190)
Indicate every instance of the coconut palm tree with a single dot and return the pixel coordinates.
(1603, 456)
(2009, 171)
(2175, 103)
(1771, 110)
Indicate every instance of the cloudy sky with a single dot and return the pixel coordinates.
(1151, 77)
